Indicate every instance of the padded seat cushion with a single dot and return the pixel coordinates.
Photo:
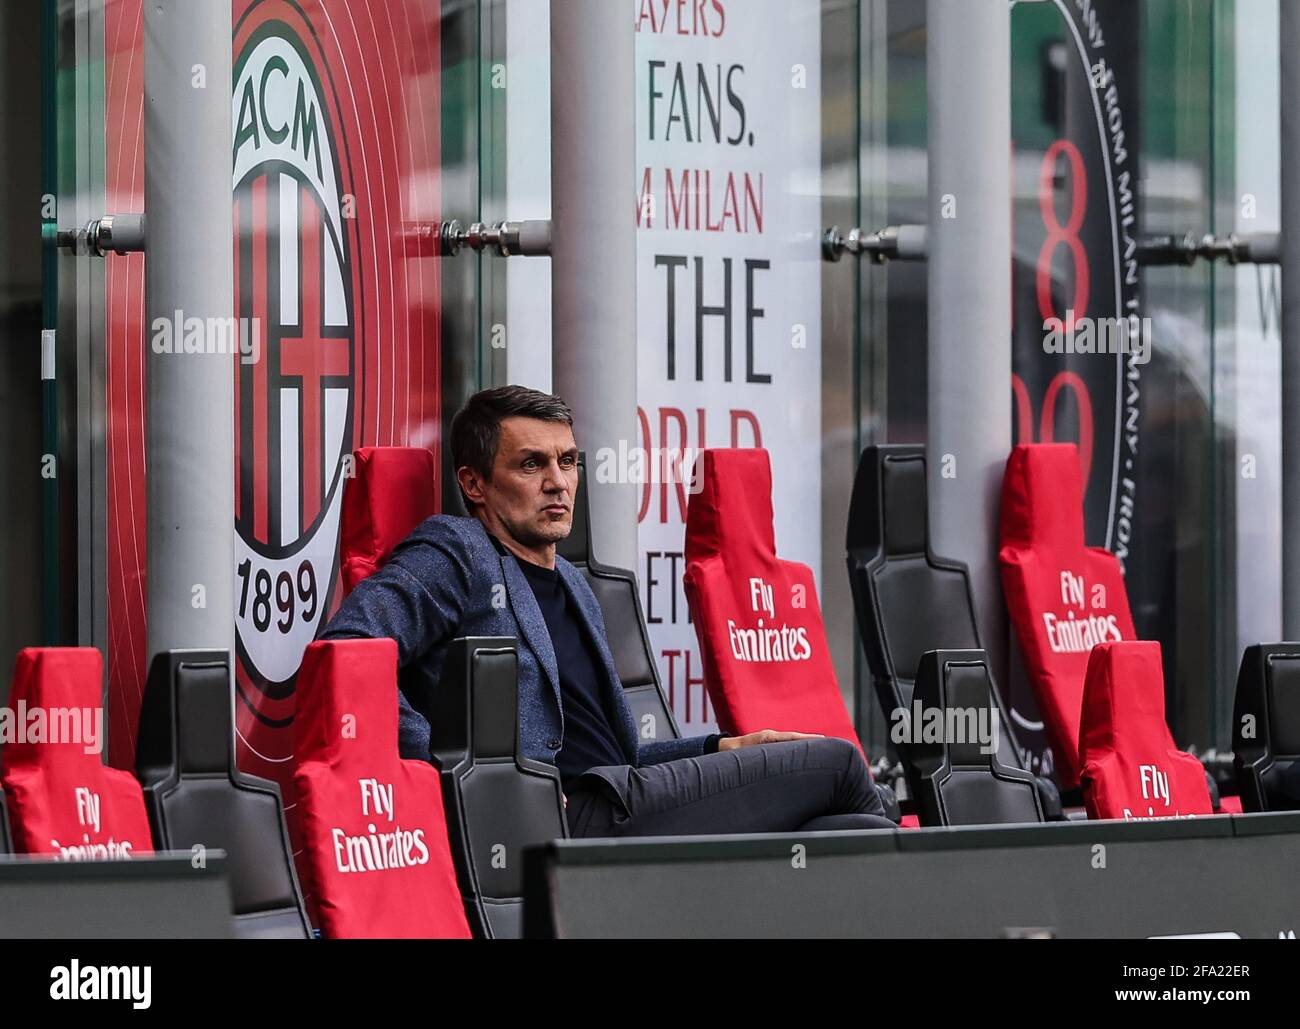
(766, 661)
(61, 799)
(1131, 767)
(1063, 597)
(391, 493)
(376, 859)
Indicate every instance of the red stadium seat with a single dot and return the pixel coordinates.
(1063, 597)
(1130, 766)
(62, 799)
(376, 860)
(766, 661)
(391, 492)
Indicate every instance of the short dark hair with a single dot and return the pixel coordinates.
(476, 427)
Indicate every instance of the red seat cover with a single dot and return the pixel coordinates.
(376, 858)
(63, 800)
(1063, 597)
(766, 662)
(391, 492)
(1131, 768)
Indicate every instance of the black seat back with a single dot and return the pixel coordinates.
(1266, 728)
(907, 600)
(620, 604)
(497, 802)
(197, 798)
(960, 777)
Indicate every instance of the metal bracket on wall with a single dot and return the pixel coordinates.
(908, 243)
(892, 243)
(112, 233)
(1187, 249)
(509, 239)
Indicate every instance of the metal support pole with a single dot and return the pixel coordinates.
(1288, 42)
(968, 78)
(189, 274)
(593, 247)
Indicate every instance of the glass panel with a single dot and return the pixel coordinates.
(730, 105)
(846, 162)
(892, 348)
(758, 126)
(28, 544)
(517, 111)
(356, 126)
(1125, 124)
(459, 180)
(1076, 287)
(1248, 351)
(1171, 589)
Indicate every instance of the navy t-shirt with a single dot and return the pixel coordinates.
(589, 738)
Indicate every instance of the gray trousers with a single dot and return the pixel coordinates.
(798, 786)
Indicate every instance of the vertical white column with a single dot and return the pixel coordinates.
(1289, 85)
(968, 78)
(189, 268)
(593, 250)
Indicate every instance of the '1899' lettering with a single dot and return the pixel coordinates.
(289, 592)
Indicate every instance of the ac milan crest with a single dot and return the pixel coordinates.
(295, 280)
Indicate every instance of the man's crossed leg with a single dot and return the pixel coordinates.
(806, 785)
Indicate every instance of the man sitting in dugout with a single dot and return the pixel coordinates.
(516, 465)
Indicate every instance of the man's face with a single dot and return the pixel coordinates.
(534, 480)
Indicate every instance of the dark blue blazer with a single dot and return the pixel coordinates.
(447, 579)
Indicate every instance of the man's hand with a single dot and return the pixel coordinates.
(753, 739)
